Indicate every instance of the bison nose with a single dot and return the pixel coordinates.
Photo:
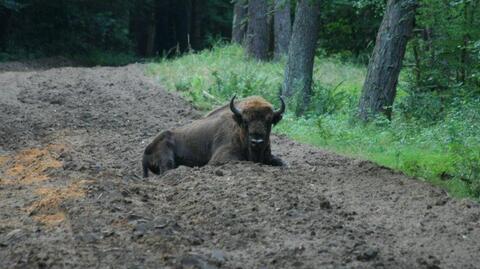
(257, 141)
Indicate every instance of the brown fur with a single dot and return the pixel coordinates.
(255, 102)
(217, 138)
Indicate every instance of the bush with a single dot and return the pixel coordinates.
(105, 58)
(328, 100)
(423, 106)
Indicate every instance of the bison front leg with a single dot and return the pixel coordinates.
(159, 156)
(271, 159)
(224, 155)
(276, 161)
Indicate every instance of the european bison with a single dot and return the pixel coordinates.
(238, 131)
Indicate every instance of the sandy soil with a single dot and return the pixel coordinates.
(72, 195)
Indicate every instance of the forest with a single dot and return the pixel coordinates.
(239, 134)
(419, 96)
(410, 103)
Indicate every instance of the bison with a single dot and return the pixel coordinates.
(236, 131)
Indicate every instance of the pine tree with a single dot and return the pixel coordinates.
(380, 85)
(257, 32)
(301, 53)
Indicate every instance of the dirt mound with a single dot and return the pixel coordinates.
(37, 64)
(71, 140)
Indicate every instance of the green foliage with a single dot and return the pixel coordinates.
(422, 106)
(45, 28)
(13, 5)
(67, 27)
(328, 100)
(445, 51)
(50, 28)
(211, 78)
(444, 150)
(349, 27)
(217, 22)
(105, 58)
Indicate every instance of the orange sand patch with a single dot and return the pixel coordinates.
(29, 166)
(3, 159)
(53, 197)
(121, 223)
(51, 220)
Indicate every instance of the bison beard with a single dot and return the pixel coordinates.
(237, 131)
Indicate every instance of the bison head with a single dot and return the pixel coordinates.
(256, 117)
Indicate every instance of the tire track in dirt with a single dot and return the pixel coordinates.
(70, 146)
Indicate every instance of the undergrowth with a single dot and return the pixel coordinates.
(105, 58)
(436, 141)
(88, 58)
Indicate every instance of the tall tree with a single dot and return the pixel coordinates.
(239, 25)
(301, 53)
(196, 27)
(257, 30)
(5, 15)
(182, 19)
(380, 85)
(282, 27)
(151, 32)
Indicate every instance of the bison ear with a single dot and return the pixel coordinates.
(237, 115)
(238, 119)
(277, 115)
(276, 118)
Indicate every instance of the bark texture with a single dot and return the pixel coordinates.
(239, 25)
(282, 28)
(299, 69)
(196, 27)
(257, 30)
(151, 33)
(167, 26)
(380, 85)
(5, 15)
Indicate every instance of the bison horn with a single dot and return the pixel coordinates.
(233, 108)
(282, 108)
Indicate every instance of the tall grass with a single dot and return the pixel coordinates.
(444, 150)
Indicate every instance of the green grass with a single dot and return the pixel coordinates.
(444, 151)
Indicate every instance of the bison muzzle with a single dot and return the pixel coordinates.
(237, 131)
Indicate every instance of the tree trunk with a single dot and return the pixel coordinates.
(138, 23)
(182, 21)
(151, 31)
(380, 85)
(301, 53)
(166, 34)
(196, 28)
(239, 25)
(418, 67)
(5, 14)
(257, 30)
(271, 30)
(282, 28)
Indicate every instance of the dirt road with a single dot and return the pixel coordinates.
(71, 194)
